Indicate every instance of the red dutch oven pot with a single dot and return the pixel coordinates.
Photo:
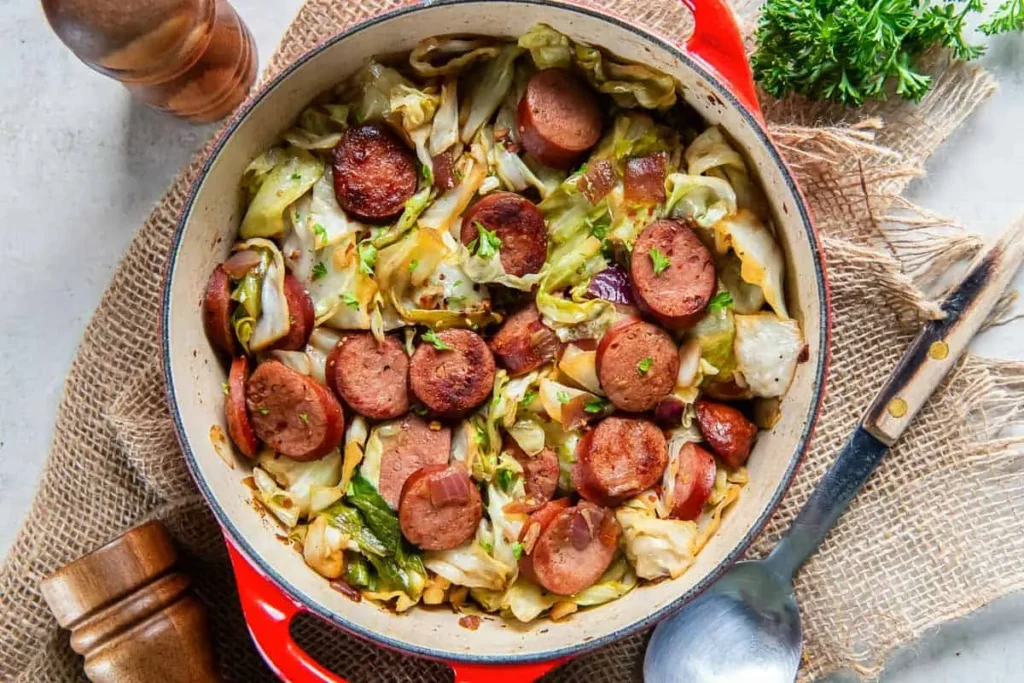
(273, 582)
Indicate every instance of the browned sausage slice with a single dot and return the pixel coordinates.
(540, 471)
(292, 413)
(637, 364)
(558, 118)
(443, 166)
(239, 426)
(408, 445)
(217, 312)
(679, 293)
(695, 480)
(370, 376)
(301, 317)
(518, 223)
(619, 459)
(452, 380)
(439, 508)
(729, 433)
(374, 173)
(575, 548)
(523, 343)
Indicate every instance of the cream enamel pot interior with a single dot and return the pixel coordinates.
(273, 581)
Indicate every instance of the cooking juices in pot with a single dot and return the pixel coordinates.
(499, 325)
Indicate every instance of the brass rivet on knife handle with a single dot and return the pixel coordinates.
(941, 343)
(130, 614)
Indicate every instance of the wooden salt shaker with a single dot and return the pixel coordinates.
(130, 614)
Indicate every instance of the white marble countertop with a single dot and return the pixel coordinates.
(85, 165)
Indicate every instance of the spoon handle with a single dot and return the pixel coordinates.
(923, 367)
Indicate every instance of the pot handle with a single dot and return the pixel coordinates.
(269, 611)
(716, 43)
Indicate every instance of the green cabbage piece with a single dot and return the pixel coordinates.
(446, 56)
(489, 84)
(715, 333)
(616, 581)
(371, 90)
(548, 47)
(292, 176)
(320, 127)
(415, 107)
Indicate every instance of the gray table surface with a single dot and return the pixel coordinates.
(84, 165)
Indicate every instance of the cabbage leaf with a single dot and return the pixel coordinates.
(761, 258)
(291, 177)
(767, 351)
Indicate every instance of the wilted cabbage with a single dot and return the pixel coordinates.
(294, 173)
(702, 199)
(445, 56)
(468, 565)
(767, 351)
(312, 485)
(746, 298)
(372, 87)
(616, 581)
(415, 107)
(324, 548)
(444, 130)
(273, 322)
(656, 547)
(320, 126)
(489, 84)
(761, 258)
(715, 333)
(548, 47)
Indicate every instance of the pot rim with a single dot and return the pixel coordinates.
(533, 656)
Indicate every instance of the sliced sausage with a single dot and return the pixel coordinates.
(292, 413)
(301, 317)
(619, 459)
(644, 180)
(538, 521)
(523, 343)
(540, 471)
(374, 173)
(217, 312)
(439, 508)
(235, 413)
(575, 548)
(452, 380)
(370, 376)
(729, 433)
(406, 446)
(559, 118)
(518, 223)
(637, 364)
(695, 479)
(680, 292)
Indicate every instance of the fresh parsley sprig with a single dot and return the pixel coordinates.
(850, 51)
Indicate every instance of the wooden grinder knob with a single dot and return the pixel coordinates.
(131, 616)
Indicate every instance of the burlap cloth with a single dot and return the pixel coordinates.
(934, 535)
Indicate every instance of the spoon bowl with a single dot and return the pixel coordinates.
(746, 627)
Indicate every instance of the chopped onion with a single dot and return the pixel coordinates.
(241, 262)
(581, 531)
(451, 486)
(669, 411)
(611, 284)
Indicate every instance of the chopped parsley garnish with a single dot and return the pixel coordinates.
(304, 417)
(658, 260)
(600, 225)
(457, 283)
(296, 176)
(264, 411)
(319, 270)
(505, 479)
(321, 233)
(720, 301)
(350, 301)
(426, 173)
(517, 550)
(224, 387)
(413, 265)
(486, 245)
(431, 338)
(419, 409)
(563, 397)
(644, 365)
(487, 546)
(529, 397)
(595, 405)
(367, 257)
(582, 169)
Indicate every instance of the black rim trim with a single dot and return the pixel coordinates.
(579, 648)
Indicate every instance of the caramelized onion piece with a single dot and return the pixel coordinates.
(612, 284)
(241, 262)
(449, 487)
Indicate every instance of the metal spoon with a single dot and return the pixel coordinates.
(746, 627)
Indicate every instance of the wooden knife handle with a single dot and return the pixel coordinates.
(130, 614)
(941, 343)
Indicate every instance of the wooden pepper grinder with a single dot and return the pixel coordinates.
(130, 614)
(192, 58)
